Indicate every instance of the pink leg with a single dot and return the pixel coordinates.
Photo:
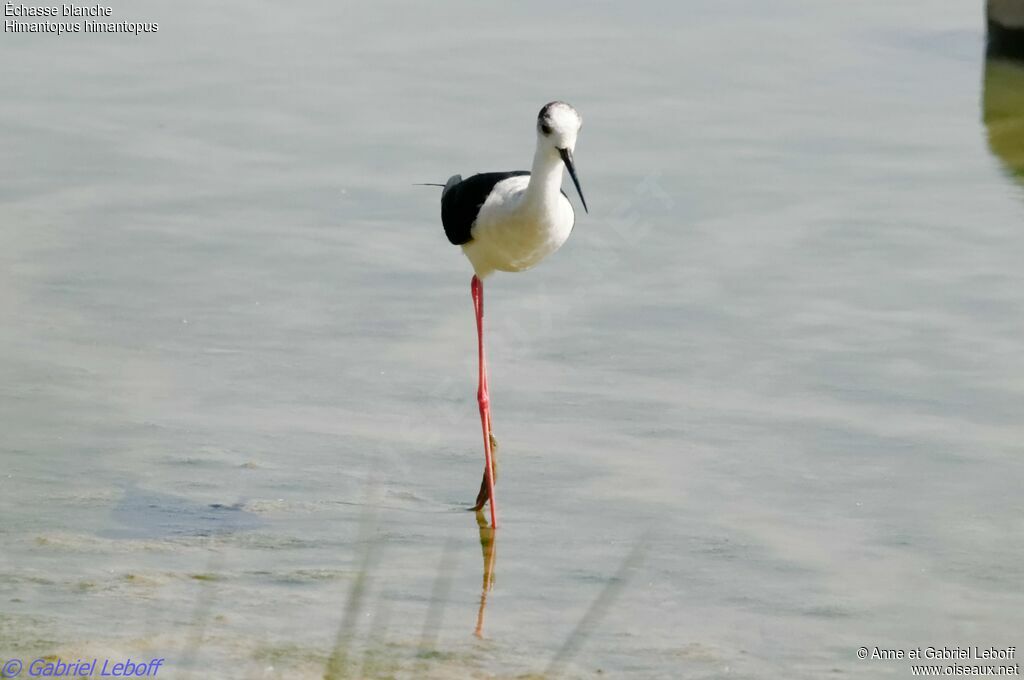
(483, 399)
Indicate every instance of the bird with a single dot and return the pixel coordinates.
(509, 222)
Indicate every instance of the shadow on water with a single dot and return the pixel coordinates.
(439, 597)
(342, 662)
(202, 612)
(146, 514)
(339, 663)
(601, 605)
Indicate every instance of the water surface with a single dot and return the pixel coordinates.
(783, 354)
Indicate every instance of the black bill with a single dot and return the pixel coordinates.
(567, 159)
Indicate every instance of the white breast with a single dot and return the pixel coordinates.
(512, 234)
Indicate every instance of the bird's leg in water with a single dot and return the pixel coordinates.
(484, 493)
(487, 485)
(485, 488)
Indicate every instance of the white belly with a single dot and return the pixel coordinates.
(511, 236)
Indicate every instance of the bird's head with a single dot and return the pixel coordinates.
(558, 124)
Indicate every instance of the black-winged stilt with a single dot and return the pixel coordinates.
(510, 221)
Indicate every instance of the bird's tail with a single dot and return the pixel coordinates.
(452, 181)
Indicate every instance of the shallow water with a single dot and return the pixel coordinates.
(775, 376)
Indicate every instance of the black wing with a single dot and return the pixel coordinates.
(461, 203)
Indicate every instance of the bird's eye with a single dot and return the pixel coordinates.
(545, 128)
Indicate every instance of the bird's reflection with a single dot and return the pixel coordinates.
(1003, 112)
(488, 548)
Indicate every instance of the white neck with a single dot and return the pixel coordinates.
(545, 178)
